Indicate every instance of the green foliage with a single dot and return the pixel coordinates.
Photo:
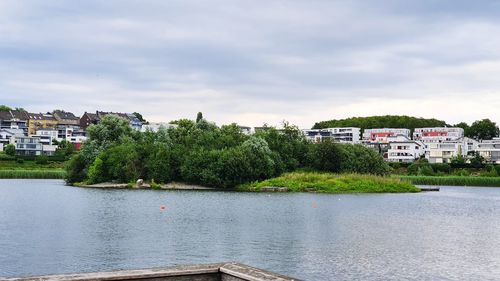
(120, 163)
(10, 150)
(388, 121)
(199, 117)
(454, 180)
(360, 159)
(32, 174)
(441, 168)
(490, 171)
(139, 116)
(458, 161)
(325, 156)
(477, 161)
(76, 170)
(20, 160)
(483, 130)
(65, 148)
(334, 183)
(5, 108)
(96, 172)
(42, 160)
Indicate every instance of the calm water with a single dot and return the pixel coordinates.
(46, 228)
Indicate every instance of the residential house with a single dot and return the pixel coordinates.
(7, 134)
(47, 136)
(343, 135)
(444, 151)
(155, 127)
(382, 135)
(13, 119)
(88, 119)
(490, 150)
(405, 151)
(66, 118)
(438, 134)
(27, 145)
(38, 121)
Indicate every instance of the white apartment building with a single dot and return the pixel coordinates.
(47, 136)
(383, 135)
(442, 152)
(343, 135)
(157, 126)
(490, 150)
(405, 151)
(7, 134)
(438, 134)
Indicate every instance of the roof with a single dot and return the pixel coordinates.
(13, 114)
(41, 116)
(65, 115)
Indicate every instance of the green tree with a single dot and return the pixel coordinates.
(360, 159)
(21, 109)
(199, 117)
(477, 161)
(4, 108)
(10, 149)
(483, 130)
(325, 156)
(464, 126)
(140, 117)
(76, 170)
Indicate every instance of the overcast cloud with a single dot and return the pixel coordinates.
(252, 61)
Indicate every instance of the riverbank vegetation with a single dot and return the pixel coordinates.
(453, 180)
(303, 181)
(205, 154)
(33, 174)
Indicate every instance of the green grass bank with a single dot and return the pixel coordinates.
(452, 180)
(33, 174)
(334, 183)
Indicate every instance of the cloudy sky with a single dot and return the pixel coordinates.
(253, 61)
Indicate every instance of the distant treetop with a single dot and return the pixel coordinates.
(387, 121)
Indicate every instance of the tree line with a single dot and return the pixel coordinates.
(479, 130)
(200, 152)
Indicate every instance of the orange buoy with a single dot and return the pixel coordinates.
(314, 206)
(163, 207)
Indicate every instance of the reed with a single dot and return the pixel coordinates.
(32, 174)
(453, 180)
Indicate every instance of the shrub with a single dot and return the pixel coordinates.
(20, 160)
(42, 160)
(96, 172)
(10, 150)
(325, 156)
(76, 169)
(441, 168)
(360, 159)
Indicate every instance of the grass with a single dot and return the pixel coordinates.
(32, 174)
(453, 180)
(334, 183)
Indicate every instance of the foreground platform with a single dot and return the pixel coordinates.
(205, 272)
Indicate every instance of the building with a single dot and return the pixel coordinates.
(438, 134)
(382, 135)
(7, 134)
(155, 127)
(38, 121)
(443, 152)
(13, 119)
(405, 151)
(490, 150)
(342, 135)
(47, 136)
(66, 118)
(88, 119)
(27, 145)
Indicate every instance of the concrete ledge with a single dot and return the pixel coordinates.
(205, 272)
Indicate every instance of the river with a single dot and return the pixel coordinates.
(48, 228)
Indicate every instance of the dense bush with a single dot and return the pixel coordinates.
(360, 159)
(203, 153)
(10, 150)
(42, 160)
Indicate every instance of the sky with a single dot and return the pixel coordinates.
(253, 62)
